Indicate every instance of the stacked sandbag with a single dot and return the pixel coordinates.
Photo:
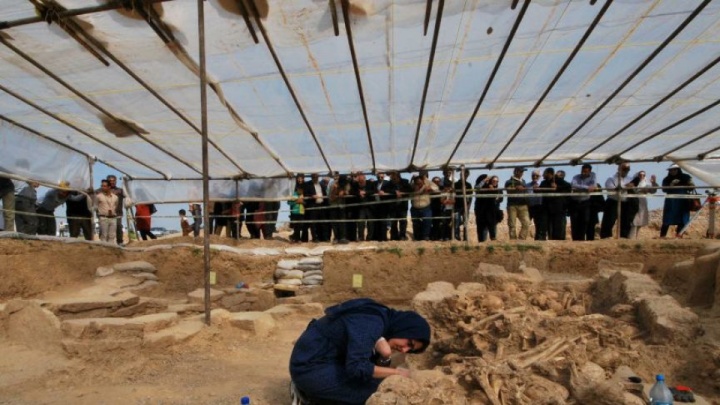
(291, 274)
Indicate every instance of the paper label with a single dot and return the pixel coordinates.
(357, 280)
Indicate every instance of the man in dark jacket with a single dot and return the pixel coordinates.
(7, 196)
(552, 218)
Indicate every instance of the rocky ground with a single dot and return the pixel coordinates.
(513, 322)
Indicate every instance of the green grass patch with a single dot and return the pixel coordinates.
(396, 251)
(490, 249)
(421, 251)
(453, 249)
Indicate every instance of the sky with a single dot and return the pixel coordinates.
(167, 214)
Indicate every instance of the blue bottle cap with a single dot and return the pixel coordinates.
(660, 377)
(245, 401)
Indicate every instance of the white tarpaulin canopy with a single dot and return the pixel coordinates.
(344, 85)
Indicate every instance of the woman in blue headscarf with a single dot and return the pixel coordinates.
(336, 359)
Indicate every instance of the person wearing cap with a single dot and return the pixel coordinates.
(46, 209)
(622, 182)
(517, 207)
(676, 211)
(343, 357)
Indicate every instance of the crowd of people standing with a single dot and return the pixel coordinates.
(352, 207)
(348, 208)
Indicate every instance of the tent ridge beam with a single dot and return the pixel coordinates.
(555, 79)
(346, 18)
(69, 124)
(494, 72)
(428, 76)
(285, 78)
(702, 156)
(89, 101)
(671, 126)
(654, 106)
(707, 133)
(632, 76)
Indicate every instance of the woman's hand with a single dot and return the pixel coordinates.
(403, 372)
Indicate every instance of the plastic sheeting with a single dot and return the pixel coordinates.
(41, 163)
(154, 191)
(643, 85)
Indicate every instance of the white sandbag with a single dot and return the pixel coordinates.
(311, 260)
(320, 278)
(281, 273)
(313, 273)
(287, 264)
(290, 281)
(294, 274)
(309, 266)
(312, 282)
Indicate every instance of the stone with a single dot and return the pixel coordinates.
(145, 276)
(174, 334)
(666, 321)
(531, 273)
(702, 280)
(32, 325)
(136, 266)
(103, 328)
(104, 271)
(81, 304)
(623, 287)
(127, 298)
(128, 311)
(184, 309)
(199, 295)
(258, 323)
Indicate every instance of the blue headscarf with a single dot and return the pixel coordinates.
(408, 325)
(399, 324)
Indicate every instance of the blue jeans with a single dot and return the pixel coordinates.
(422, 222)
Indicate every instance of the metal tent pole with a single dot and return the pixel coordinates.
(205, 168)
(465, 204)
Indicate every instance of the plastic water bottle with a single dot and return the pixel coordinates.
(245, 401)
(659, 393)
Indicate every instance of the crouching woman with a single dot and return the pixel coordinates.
(342, 357)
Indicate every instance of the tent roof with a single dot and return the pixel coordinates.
(312, 86)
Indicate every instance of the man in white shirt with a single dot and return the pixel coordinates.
(620, 183)
(107, 203)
